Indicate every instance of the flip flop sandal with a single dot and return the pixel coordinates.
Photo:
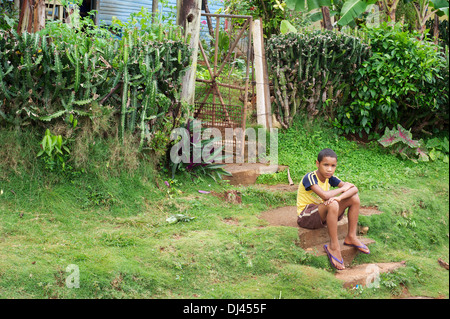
(360, 248)
(331, 256)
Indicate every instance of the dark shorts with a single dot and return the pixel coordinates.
(310, 217)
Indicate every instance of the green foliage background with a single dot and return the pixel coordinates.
(405, 81)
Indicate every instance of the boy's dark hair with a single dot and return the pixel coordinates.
(326, 152)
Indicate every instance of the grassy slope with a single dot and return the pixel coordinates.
(112, 226)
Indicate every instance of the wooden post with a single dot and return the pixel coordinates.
(17, 5)
(259, 75)
(155, 4)
(188, 17)
(266, 82)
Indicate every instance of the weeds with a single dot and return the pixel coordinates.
(111, 223)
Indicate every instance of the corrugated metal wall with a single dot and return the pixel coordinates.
(122, 9)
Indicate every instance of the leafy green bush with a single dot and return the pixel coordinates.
(54, 151)
(272, 12)
(7, 13)
(312, 71)
(404, 82)
(438, 149)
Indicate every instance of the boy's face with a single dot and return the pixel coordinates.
(326, 167)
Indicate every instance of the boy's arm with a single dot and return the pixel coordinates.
(346, 194)
(326, 195)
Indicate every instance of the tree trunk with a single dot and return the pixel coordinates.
(155, 4)
(326, 18)
(188, 17)
(32, 16)
(436, 29)
(393, 11)
(390, 8)
(208, 19)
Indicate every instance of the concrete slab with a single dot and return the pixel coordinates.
(365, 274)
(312, 237)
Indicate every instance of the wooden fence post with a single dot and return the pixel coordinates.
(259, 74)
(266, 82)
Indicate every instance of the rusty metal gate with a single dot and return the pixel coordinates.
(223, 70)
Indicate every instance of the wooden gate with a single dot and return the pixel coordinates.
(223, 70)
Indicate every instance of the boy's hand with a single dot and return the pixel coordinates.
(332, 199)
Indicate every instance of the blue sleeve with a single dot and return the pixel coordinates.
(334, 181)
(309, 180)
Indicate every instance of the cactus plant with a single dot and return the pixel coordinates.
(311, 71)
(47, 77)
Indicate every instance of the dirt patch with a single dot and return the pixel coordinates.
(369, 210)
(247, 173)
(231, 221)
(231, 196)
(283, 216)
(287, 216)
(279, 187)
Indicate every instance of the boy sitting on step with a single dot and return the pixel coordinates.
(318, 206)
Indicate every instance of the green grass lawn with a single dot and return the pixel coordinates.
(112, 226)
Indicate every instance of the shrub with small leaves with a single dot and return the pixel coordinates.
(404, 82)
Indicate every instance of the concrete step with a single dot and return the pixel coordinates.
(312, 240)
(366, 274)
(348, 253)
(312, 237)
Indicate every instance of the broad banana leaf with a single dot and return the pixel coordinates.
(286, 27)
(441, 5)
(307, 5)
(352, 9)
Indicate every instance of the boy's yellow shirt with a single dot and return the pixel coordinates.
(306, 196)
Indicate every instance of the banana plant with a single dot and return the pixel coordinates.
(438, 7)
(310, 5)
(353, 9)
(307, 5)
(350, 10)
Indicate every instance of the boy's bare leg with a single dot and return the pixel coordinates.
(353, 204)
(330, 214)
